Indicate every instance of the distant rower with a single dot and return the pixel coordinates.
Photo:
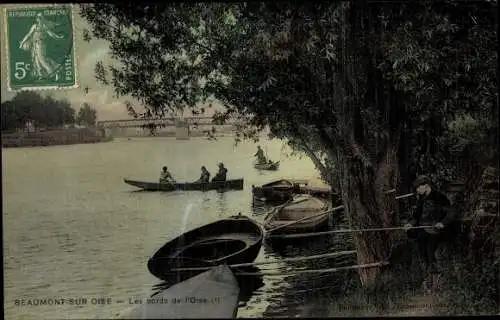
(166, 177)
(261, 158)
(205, 175)
(221, 174)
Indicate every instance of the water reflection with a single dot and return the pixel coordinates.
(78, 230)
(291, 294)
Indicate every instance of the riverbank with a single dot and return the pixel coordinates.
(53, 137)
(466, 282)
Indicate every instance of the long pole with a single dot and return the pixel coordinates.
(359, 266)
(329, 211)
(314, 234)
(318, 256)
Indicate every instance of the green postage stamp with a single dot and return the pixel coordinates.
(40, 48)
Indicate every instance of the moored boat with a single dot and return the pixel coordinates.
(211, 294)
(278, 191)
(271, 166)
(233, 240)
(303, 214)
(235, 184)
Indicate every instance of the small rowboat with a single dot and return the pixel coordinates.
(278, 191)
(235, 184)
(299, 209)
(272, 166)
(211, 294)
(233, 240)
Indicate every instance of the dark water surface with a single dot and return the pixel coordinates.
(74, 230)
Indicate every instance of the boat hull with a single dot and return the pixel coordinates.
(277, 192)
(267, 166)
(228, 241)
(235, 184)
(211, 294)
(282, 218)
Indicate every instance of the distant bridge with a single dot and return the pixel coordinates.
(168, 122)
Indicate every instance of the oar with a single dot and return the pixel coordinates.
(306, 218)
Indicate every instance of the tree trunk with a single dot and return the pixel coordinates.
(364, 198)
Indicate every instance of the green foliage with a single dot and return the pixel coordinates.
(87, 115)
(370, 91)
(43, 112)
(329, 77)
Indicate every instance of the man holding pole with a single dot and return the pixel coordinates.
(433, 208)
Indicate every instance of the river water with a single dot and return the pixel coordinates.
(74, 230)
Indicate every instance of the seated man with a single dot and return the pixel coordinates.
(221, 174)
(166, 177)
(434, 209)
(205, 175)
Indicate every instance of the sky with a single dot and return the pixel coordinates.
(99, 96)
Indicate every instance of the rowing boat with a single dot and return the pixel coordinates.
(233, 240)
(278, 191)
(272, 166)
(211, 294)
(235, 184)
(299, 209)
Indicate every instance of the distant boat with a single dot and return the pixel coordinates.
(271, 166)
(301, 207)
(233, 240)
(211, 294)
(235, 184)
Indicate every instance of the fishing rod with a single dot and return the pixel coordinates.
(336, 208)
(313, 234)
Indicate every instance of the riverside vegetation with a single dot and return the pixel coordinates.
(31, 120)
(373, 92)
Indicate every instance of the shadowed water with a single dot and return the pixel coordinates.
(74, 230)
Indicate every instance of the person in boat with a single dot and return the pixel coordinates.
(433, 209)
(261, 158)
(205, 175)
(165, 176)
(221, 174)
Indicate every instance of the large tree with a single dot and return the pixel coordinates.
(371, 91)
(42, 112)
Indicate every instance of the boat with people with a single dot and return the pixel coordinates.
(211, 294)
(278, 191)
(232, 184)
(233, 240)
(263, 162)
(303, 214)
(270, 165)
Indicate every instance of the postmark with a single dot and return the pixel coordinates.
(40, 48)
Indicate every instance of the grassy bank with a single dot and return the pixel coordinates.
(463, 287)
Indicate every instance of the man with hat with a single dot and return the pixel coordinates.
(221, 174)
(433, 209)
